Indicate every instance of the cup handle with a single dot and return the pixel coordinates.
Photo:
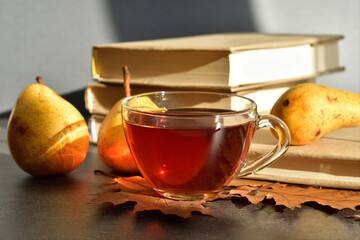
(276, 124)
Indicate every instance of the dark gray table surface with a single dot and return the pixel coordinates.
(58, 208)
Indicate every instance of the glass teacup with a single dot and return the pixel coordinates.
(189, 145)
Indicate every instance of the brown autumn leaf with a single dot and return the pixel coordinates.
(120, 190)
(292, 196)
(354, 217)
(136, 189)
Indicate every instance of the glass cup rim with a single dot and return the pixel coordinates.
(252, 107)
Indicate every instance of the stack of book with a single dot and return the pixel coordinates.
(255, 65)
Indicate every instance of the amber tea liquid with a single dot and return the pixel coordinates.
(189, 159)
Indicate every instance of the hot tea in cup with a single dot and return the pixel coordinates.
(189, 145)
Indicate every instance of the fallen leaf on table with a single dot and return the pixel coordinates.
(136, 189)
(292, 196)
(355, 217)
(120, 190)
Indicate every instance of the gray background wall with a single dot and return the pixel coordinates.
(54, 38)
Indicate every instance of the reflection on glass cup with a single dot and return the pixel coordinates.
(189, 145)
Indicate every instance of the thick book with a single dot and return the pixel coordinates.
(226, 60)
(100, 97)
(332, 161)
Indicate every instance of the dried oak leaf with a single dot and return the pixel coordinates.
(120, 190)
(292, 196)
(136, 189)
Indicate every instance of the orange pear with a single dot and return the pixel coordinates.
(112, 146)
(46, 134)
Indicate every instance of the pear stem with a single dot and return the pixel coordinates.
(39, 80)
(126, 75)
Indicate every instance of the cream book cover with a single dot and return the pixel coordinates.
(218, 60)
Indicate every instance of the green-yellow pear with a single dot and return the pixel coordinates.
(112, 146)
(311, 111)
(46, 134)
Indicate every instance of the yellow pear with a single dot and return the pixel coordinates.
(46, 134)
(311, 111)
(112, 146)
